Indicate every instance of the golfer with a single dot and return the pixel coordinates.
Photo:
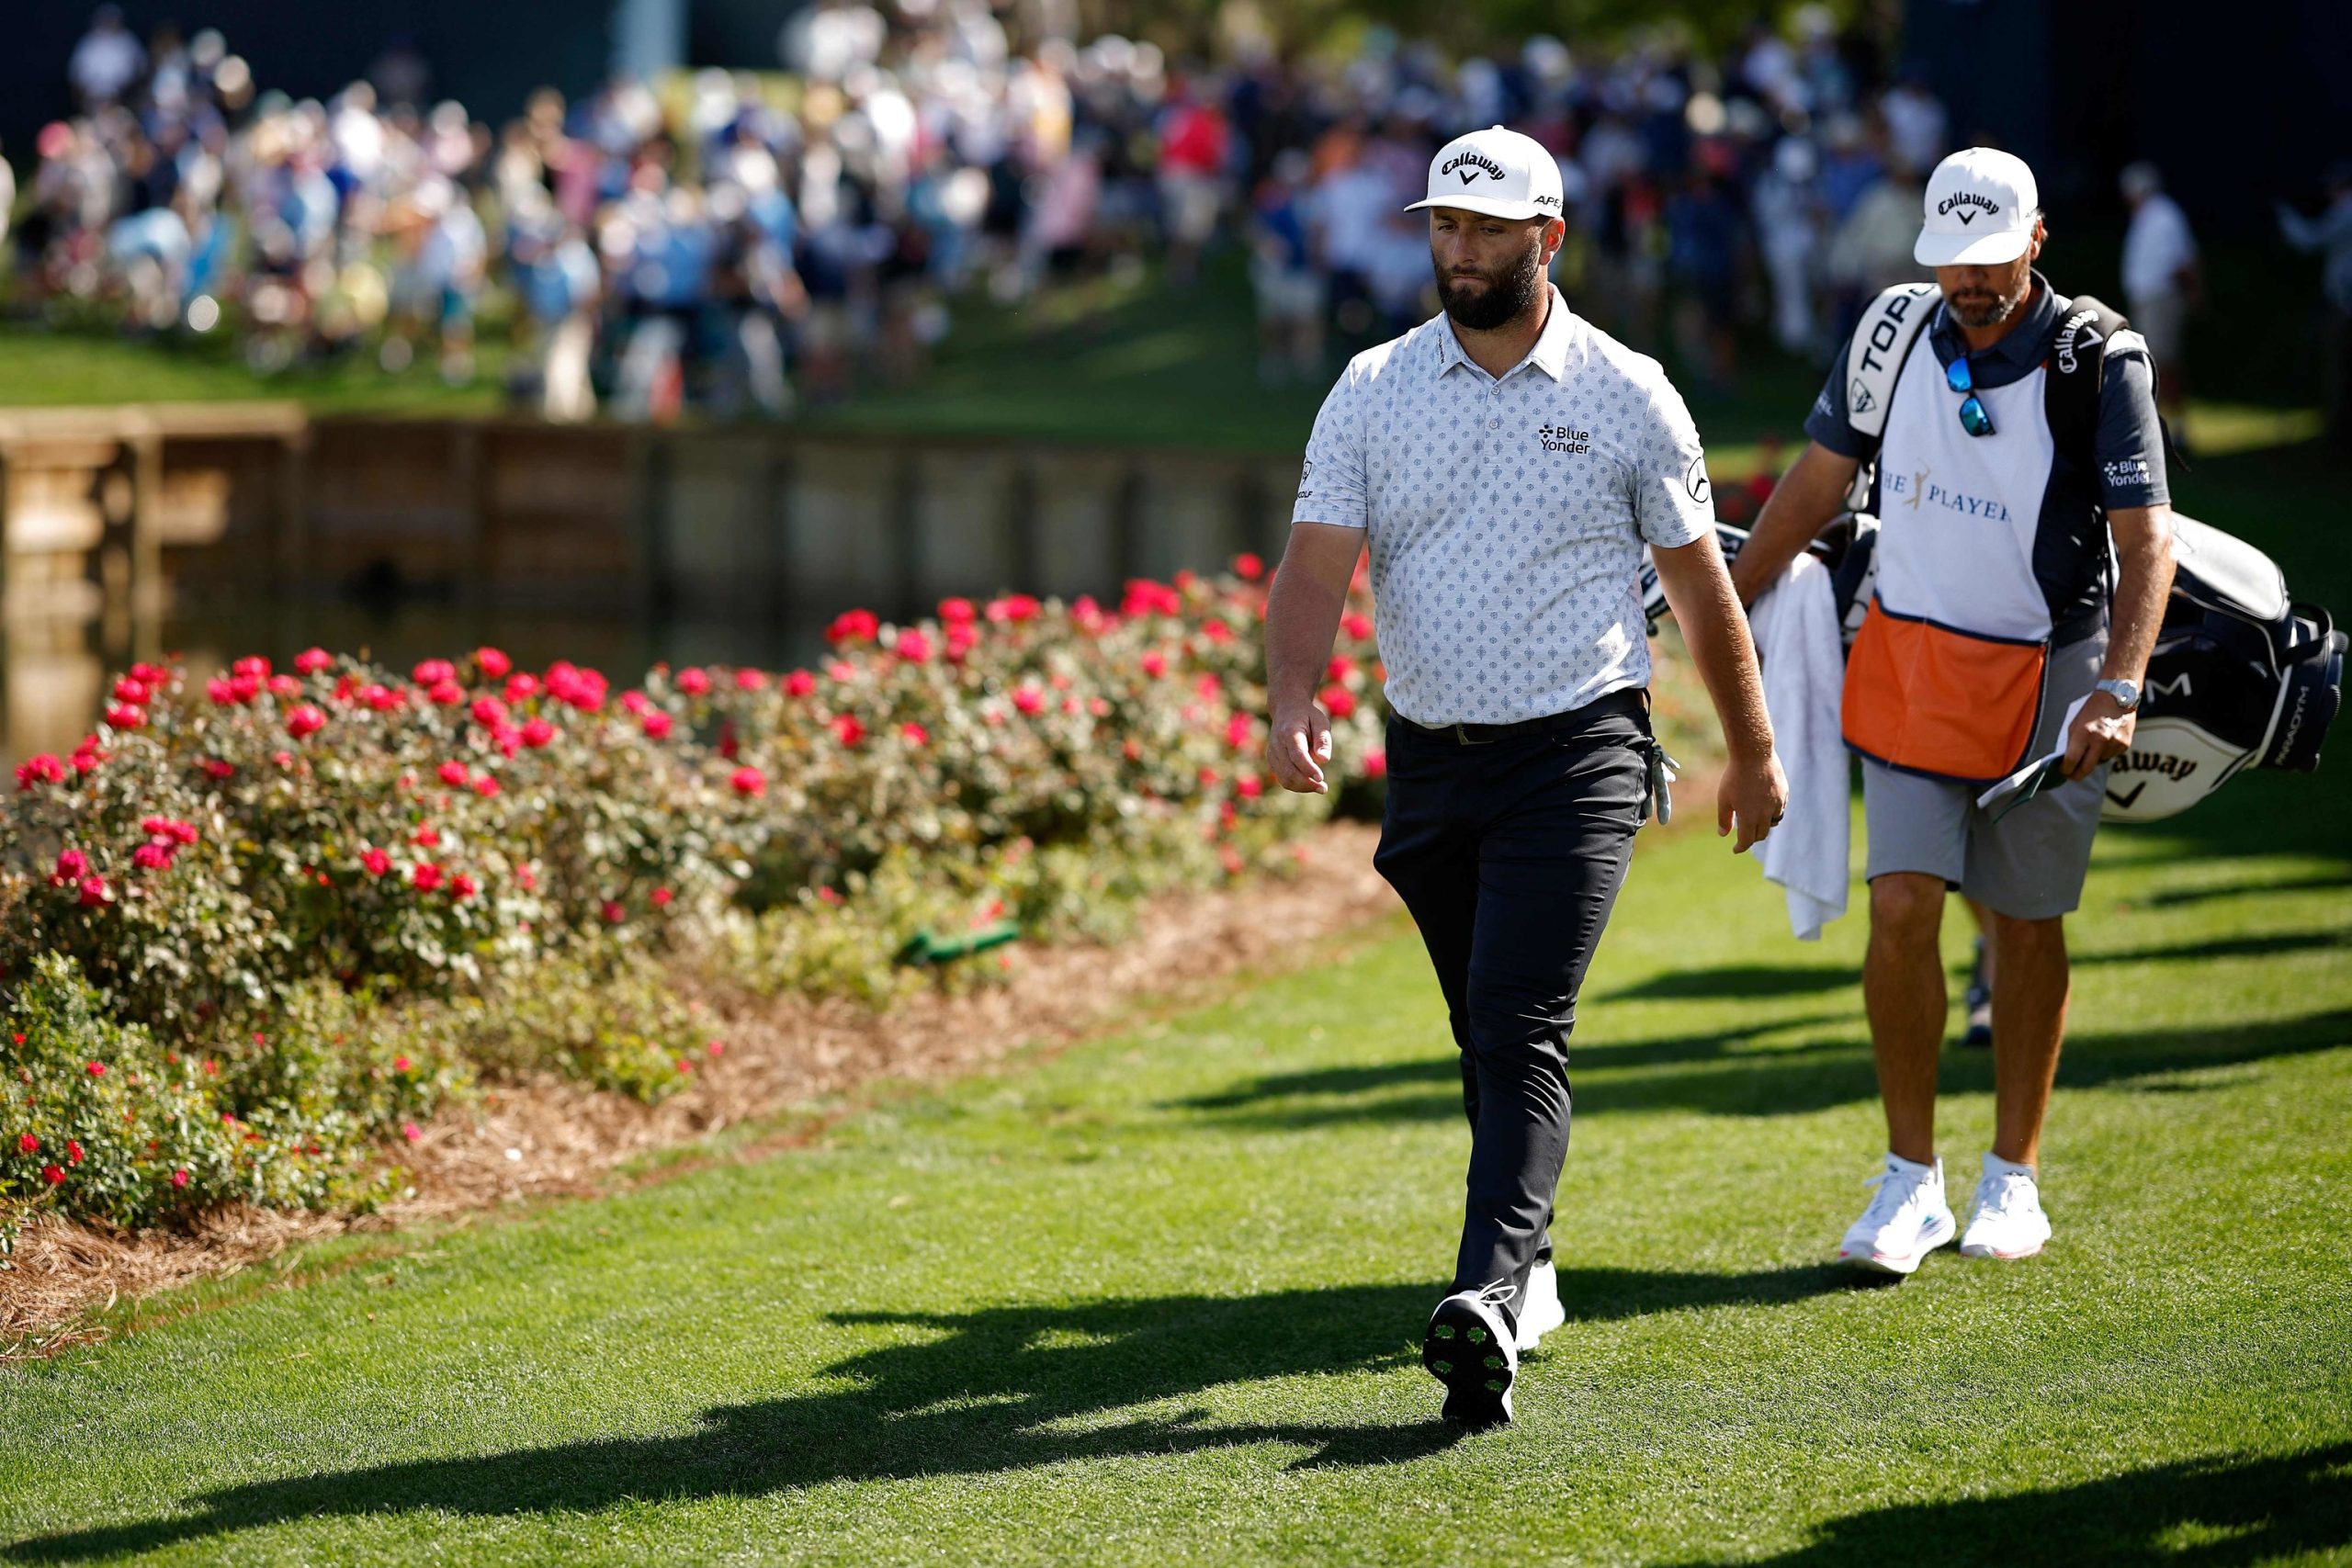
(1995, 610)
(1504, 463)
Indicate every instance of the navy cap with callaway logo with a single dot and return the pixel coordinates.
(1501, 173)
(1980, 209)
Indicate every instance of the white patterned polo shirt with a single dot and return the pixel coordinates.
(1505, 515)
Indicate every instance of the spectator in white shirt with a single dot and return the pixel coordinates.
(107, 61)
(2161, 283)
(2331, 233)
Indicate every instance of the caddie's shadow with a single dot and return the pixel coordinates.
(1002, 1388)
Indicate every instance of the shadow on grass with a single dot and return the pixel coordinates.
(2270, 946)
(1000, 1389)
(1696, 1075)
(2248, 887)
(1737, 980)
(2209, 1512)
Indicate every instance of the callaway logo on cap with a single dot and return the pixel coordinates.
(1979, 211)
(1499, 173)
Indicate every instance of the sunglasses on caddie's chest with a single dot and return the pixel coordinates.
(1974, 418)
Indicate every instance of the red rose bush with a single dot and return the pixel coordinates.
(345, 892)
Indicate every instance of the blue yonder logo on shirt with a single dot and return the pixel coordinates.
(1916, 490)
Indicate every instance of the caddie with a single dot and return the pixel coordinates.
(1504, 463)
(2024, 558)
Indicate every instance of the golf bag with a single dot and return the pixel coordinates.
(2242, 676)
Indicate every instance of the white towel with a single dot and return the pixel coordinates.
(1795, 625)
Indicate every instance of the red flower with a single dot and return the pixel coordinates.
(284, 685)
(486, 785)
(657, 725)
(800, 683)
(718, 1046)
(376, 861)
(381, 698)
(463, 887)
(613, 913)
(537, 733)
(1357, 624)
(913, 646)
(956, 612)
(1249, 787)
(305, 720)
(841, 669)
(125, 715)
(1144, 597)
(72, 1151)
(750, 681)
(1340, 669)
(253, 667)
(179, 1178)
(215, 768)
(427, 837)
(446, 694)
(489, 711)
(427, 876)
(1013, 607)
(583, 689)
(94, 891)
(71, 866)
(522, 687)
(750, 782)
(636, 702)
(128, 691)
(1155, 665)
(1089, 615)
(1238, 730)
(662, 897)
(492, 664)
(433, 672)
(40, 769)
(1216, 632)
(222, 691)
(694, 682)
(1376, 763)
(1339, 702)
(913, 734)
(152, 856)
(96, 1069)
(453, 774)
(410, 1131)
(400, 1064)
(1029, 700)
(52, 1174)
(829, 896)
(1249, 568)
(853, 625)
(311, 661)
(27, 1143)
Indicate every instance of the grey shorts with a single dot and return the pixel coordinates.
(2031, 864)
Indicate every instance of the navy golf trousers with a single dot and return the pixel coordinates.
(1509, 853)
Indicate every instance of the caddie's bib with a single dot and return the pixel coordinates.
(1946, 676)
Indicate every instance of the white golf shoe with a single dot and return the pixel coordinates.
(1542, 1312)
(2007, 1221)
(1907, 1220)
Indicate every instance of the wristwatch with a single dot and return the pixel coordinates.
(2125, 693)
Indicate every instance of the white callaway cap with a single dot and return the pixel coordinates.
(1497, 172)
(1979, 212)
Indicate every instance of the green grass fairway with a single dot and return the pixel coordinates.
(1159, 1299)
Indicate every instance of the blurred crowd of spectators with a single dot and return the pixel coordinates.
(734, 237)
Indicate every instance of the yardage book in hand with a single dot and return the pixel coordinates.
(2041, 774)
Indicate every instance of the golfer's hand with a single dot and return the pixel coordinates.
(2099, 732)
(1297, 747)
(1751, 797)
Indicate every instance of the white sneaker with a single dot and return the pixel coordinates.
(1906, 1221)
(1542, 1312)
(2007, 1221)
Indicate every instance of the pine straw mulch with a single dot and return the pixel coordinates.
(551, 1139)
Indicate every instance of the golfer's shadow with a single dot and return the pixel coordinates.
(998, 1390)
